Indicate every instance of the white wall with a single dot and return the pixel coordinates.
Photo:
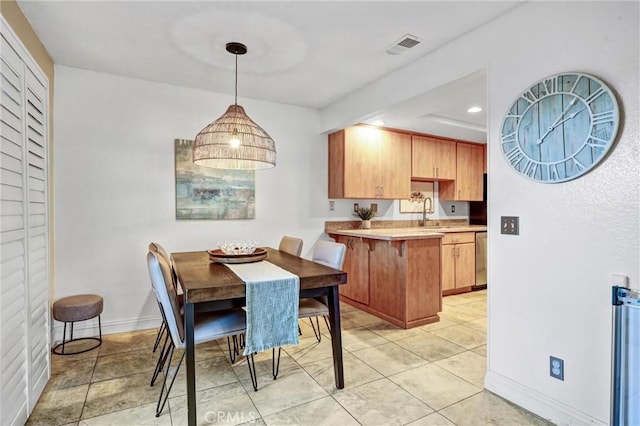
(115, 185)
(553, 282)
(549, 287)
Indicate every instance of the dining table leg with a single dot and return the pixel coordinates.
(189, 315)
(336, 335)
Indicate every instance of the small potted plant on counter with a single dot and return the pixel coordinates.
(365, 214)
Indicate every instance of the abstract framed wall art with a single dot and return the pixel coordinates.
(203, 193)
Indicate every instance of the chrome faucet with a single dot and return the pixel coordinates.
(425, 211)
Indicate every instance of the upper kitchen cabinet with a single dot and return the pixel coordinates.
(467, 185)
(433, 158)
(368, 162)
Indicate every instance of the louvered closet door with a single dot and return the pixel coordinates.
(24, 288)
(37, 245)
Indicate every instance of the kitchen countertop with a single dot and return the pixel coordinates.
(394, 234)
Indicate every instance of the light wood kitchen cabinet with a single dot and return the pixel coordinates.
(367, 162)
(356, 263)
(458, 262)
(467, 185)
(432, 158)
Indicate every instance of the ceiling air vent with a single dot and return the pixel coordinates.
(403, 44)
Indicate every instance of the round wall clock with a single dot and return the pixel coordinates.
(560, 128)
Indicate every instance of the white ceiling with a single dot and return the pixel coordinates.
(306, 53)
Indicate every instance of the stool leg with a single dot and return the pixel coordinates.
(65, 342)
(64, 334)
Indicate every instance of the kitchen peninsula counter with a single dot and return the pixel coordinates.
(410, 233)
(394, 273)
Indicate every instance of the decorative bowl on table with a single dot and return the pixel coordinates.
(237, 252)
(237, 247)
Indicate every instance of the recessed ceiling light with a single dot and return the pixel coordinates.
(474, 109)
(378, 123)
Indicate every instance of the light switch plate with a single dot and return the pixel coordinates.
(510, 225)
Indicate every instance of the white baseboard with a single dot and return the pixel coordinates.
(89, 328)
(536, 402)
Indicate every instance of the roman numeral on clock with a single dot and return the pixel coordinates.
(602, 117)
(515, 155)
(592, 97)
(597, 143)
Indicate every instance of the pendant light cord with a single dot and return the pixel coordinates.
(236, 97)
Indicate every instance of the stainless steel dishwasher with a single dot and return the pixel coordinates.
(481, 261)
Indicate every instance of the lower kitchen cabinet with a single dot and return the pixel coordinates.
(458, 262)
(396, 280)
(356, 263)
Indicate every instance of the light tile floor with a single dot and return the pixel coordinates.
(430, 375)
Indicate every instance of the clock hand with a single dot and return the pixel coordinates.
(569, 117)
(555, 123)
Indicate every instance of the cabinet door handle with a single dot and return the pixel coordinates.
(381, 191)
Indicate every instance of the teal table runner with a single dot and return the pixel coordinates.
(272, 296)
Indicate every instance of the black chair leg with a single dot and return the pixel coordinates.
(164, 396)
(316, 330)
(162, 358)
(161, 330)
(275, 366)
(252, 372)
(233, 353)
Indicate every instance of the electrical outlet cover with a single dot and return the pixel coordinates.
(556, 368)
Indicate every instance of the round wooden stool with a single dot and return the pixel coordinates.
(77, 308)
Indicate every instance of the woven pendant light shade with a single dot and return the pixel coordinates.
(212, 147)
(234, 141)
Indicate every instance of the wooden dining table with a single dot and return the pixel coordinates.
(212, 286)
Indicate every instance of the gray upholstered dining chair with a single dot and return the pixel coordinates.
(162, 330)
(291, 245)
(208, 325)
(328, 253)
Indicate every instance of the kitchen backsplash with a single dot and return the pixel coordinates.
(383, 224)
